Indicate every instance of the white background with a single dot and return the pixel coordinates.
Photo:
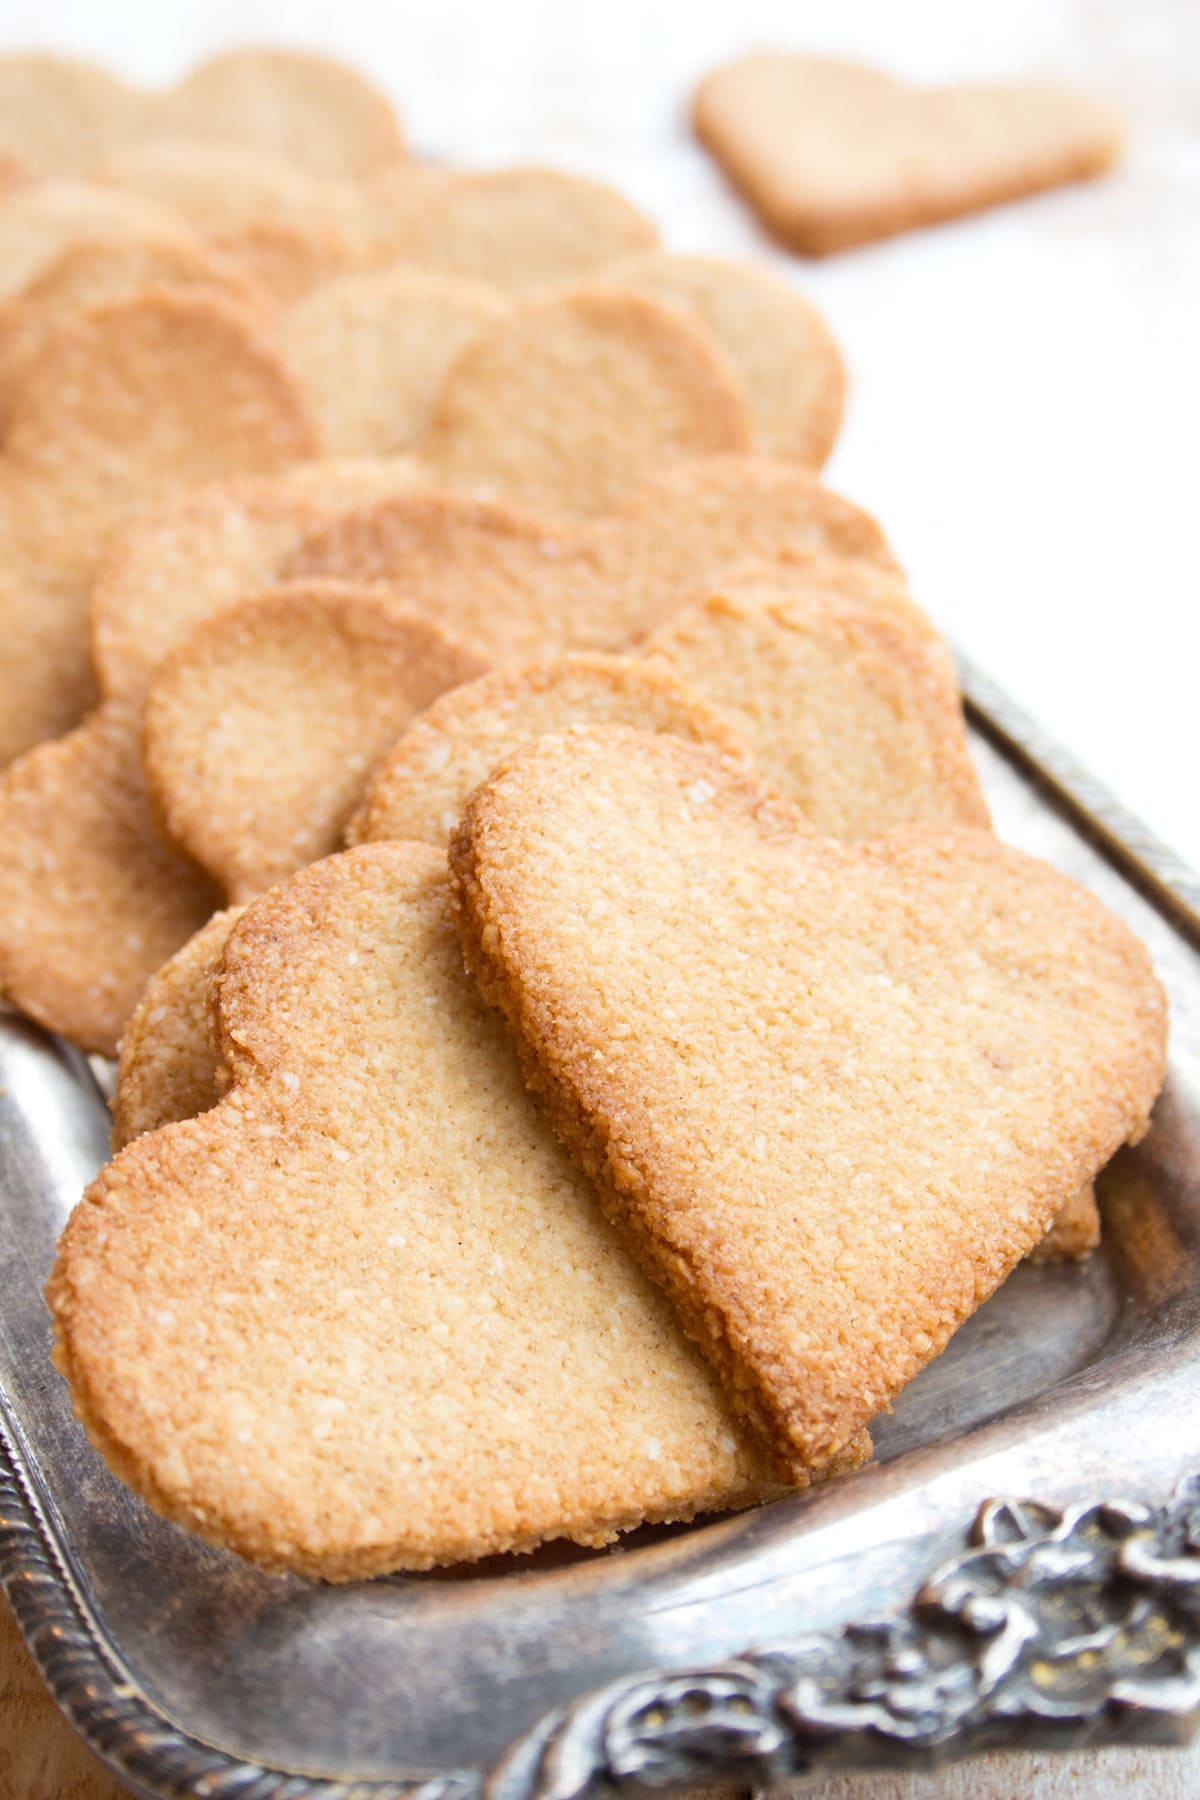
(1025, 404)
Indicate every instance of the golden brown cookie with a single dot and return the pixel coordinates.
(493, 1370)
(57, 113)
(784, 352)
(832, 154)
(373, 351)
(417, 791)
(262, 729)
(570, 401)
(168, 1066)
(91, 900)
(219, 187)
(121, 406)
(842, 703)
(692, 524)
(517, 228)
(515, 584)
(107, 417)
(523, 588)
(1074, 1232)
(311, 110)
(38, 223)
(96, 271)
(832, 1093)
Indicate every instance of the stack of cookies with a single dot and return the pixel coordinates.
(581, 1048)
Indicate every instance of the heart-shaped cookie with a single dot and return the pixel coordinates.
(832, 154)
(364, 1314)
(831, 1092)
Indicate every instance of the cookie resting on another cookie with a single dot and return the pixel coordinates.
(832, 1093)
(262, 729)
(418, 789)
(471, 1364)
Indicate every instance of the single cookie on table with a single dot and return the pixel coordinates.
(374, 1106)
(373, 351)
(418, 789)
(95, 271)
(57, 113)
(517, 228)
(842, 703)
(120, 407)
(168, 1066)
(832, 154)
(311, 110)
(262, 729)
(855, 1080)
(783, 351)
(76, 952)
(570, 401)
(39, 222)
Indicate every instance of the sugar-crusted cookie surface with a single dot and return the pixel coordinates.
(168, 1065)
(471, 1364)
(781, 347)
(261, 730)
(76, 951)
(573, 399)
(374, 349)
(832, 154)
(518, 228)
(842, 703)
(831, 1093)
(418, 789)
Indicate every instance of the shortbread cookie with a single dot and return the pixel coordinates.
(58, 113)
(784, 352)
(571, 401)
(94, 272)
(832, 1093)
(91, 901)
(374, 350)
(841, 704)
(521, 588)
(832, 154)
(76, 951)
(1075, 1231)
(494, 1370)
(694, 523)
(120, 407)
(262, 729)
(418, 790)
(311, 110)
(168, 1066)
(38, 223)
(219, 187)
(514, 583)
(520, 229)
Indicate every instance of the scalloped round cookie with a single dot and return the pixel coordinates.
(39, 222)
(59, 112)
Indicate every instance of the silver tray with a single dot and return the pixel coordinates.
(1020, 1564)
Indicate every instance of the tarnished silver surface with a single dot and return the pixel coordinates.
(861, 1624)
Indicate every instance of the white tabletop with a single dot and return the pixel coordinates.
(1025, 407)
